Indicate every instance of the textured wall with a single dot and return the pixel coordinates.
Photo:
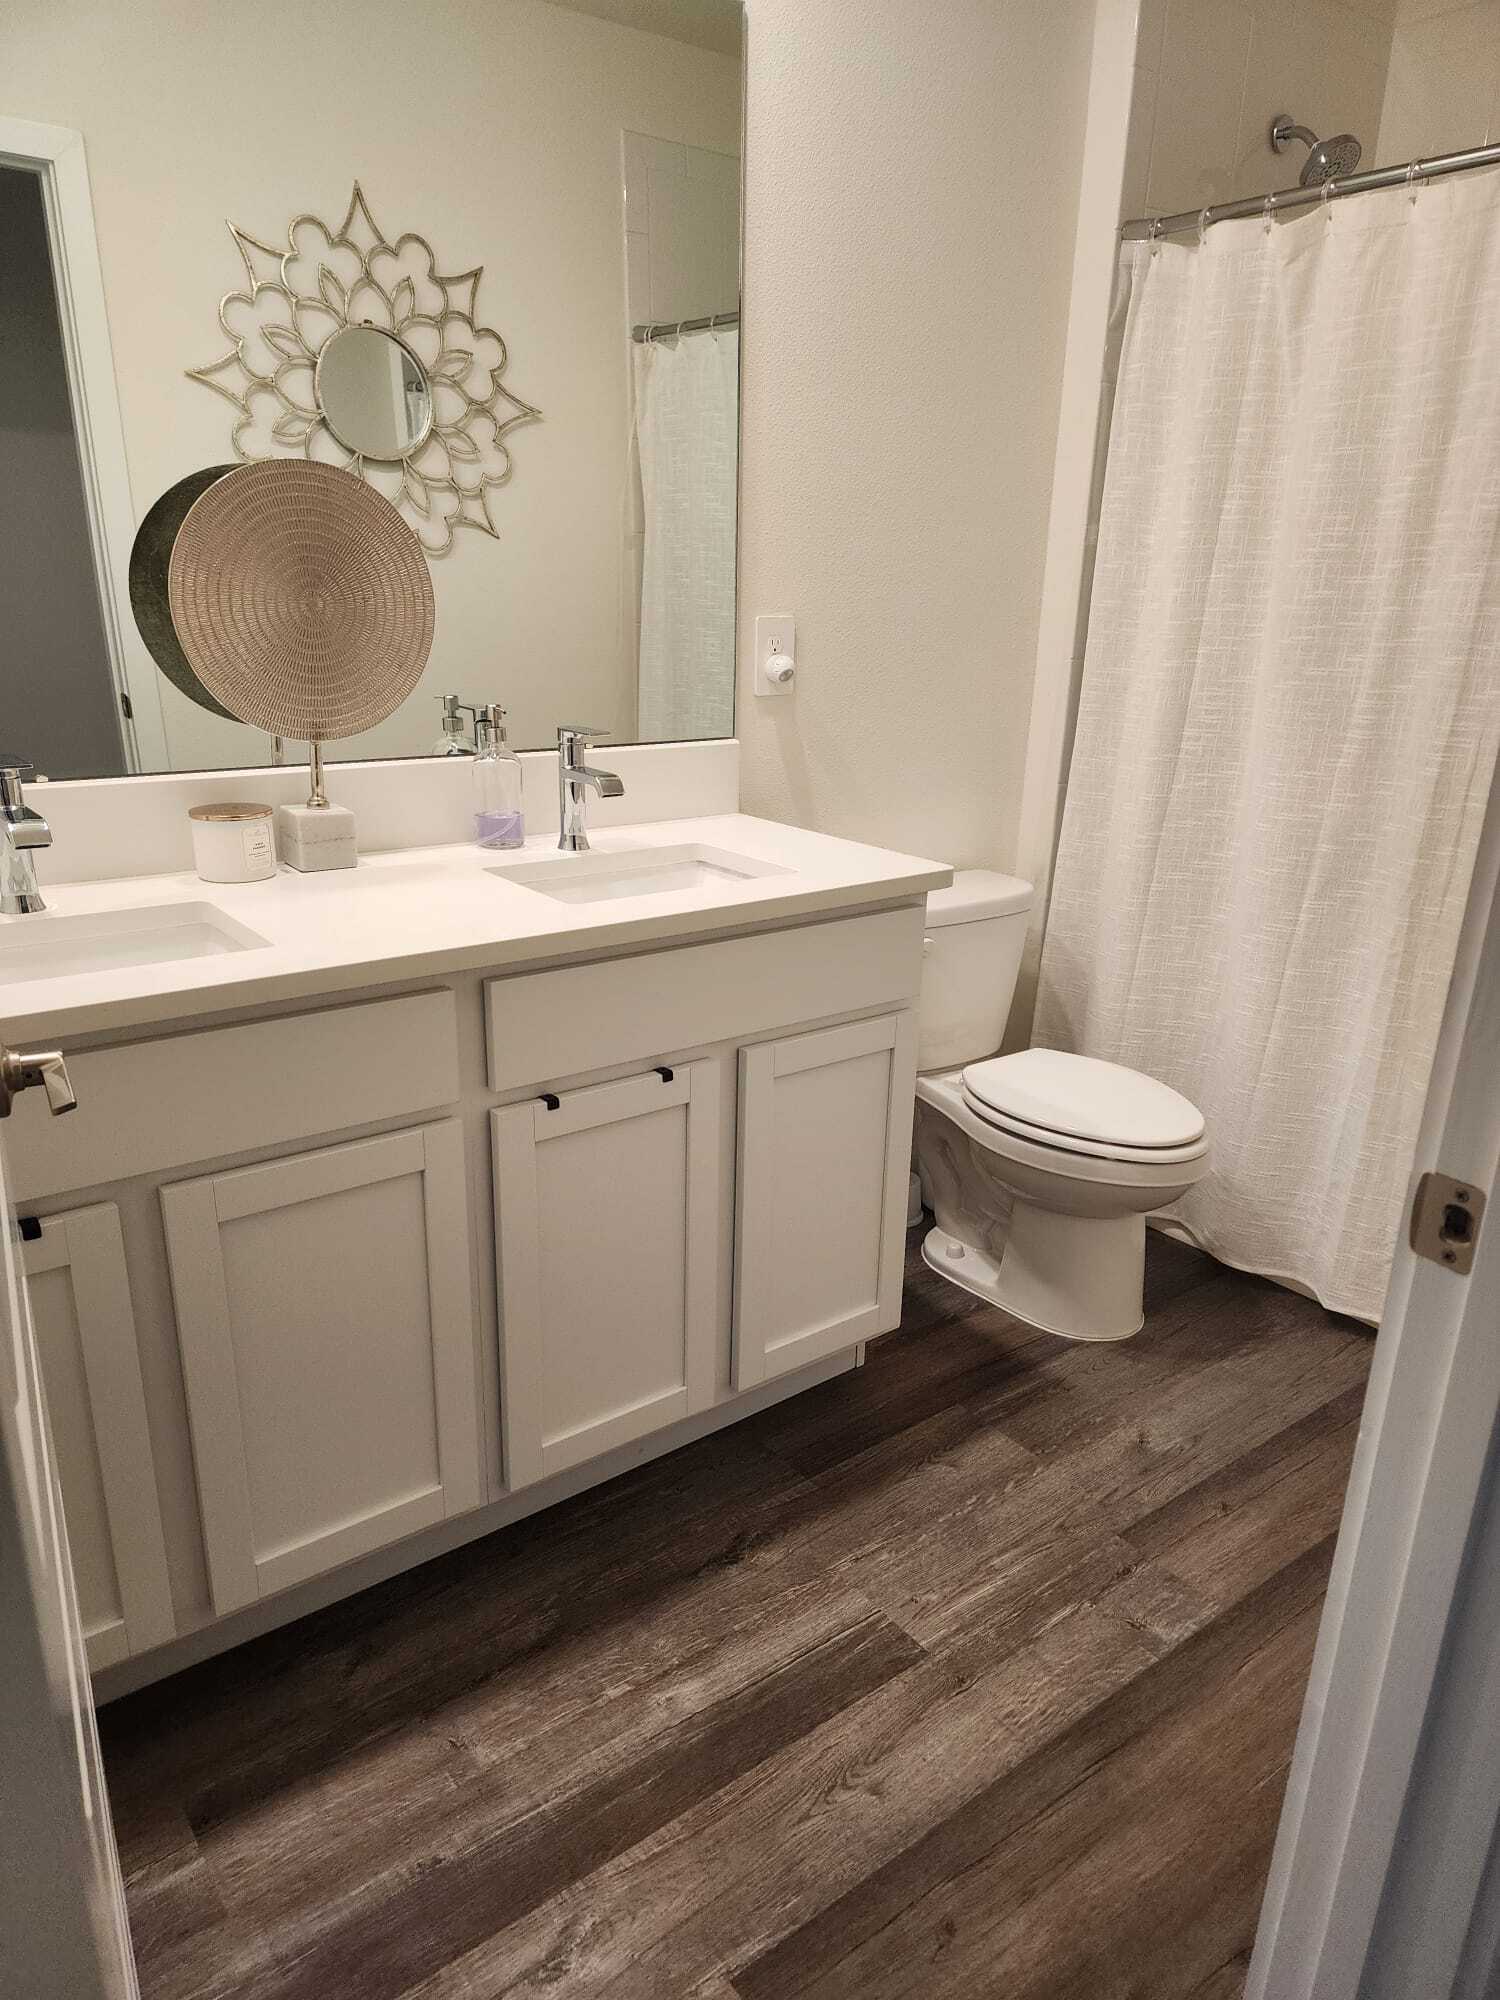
(1443, 91)
(911, 188)
(1212, 74)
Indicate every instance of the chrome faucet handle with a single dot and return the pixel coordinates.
(575, 736)
(24, 1071)
(12, 771)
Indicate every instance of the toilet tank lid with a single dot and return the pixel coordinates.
(977, 893)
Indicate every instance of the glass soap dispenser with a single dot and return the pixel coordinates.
(498, 820)
(454, 741)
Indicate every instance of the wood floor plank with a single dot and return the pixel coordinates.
(187, 1944)
(307, 1695)
(964, 1564)
(480, 1877)
(1227, 1982)
(846, 1942)
(1250, 1486)
(1163, 1851)
(556, 1726)
(928, 1646)
(772, 1850)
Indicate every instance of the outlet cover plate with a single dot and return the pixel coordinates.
(774, 633)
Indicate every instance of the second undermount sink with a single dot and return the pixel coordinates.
(51, 947)
(642, 871)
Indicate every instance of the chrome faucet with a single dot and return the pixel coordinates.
(22, 831)
(573, 779)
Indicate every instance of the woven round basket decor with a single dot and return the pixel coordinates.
(302, 600)
(149, 557)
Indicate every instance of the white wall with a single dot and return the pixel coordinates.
(1212, 74)
(911, 194)
(495, 131)
(1443, 91)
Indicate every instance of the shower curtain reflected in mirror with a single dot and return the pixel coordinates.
(1290, 707)
(687, 423)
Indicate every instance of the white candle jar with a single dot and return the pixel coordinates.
(233, 843)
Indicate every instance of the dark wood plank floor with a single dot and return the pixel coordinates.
(973, 1673)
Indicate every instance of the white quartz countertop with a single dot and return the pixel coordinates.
(407, 915)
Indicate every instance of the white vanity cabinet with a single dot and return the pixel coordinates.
(324, 1317)
(607, 1235)
(284, 1355)
(96, 1409)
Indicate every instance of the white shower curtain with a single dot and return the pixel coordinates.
(1289, 709)
(687, 419)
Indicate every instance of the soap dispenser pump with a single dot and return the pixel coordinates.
(454, 741)
(498, 819)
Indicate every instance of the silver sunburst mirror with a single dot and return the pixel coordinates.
(352, 350)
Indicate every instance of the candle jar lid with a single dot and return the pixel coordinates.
(230, 811)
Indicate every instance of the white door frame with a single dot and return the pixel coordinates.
(1416, 1485)
(65, 1931)
(56, 156)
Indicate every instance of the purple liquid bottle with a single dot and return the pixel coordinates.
(498, 820)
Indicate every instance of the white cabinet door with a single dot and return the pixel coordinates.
(606, 1205)
(325, 1315)
(824, 1157)
(96, 1407)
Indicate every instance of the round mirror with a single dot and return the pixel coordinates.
(373, 392)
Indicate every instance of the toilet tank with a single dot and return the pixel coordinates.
(972, 953)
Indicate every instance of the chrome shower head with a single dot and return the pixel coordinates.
(1327, 159)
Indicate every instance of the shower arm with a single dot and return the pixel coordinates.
(1284, 128)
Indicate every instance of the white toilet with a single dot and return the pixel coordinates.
(1039, 1167)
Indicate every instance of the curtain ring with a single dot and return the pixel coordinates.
(1326, 198)
(1155, 237)
(1269, 212)
(1203, 226)
(1413, 176)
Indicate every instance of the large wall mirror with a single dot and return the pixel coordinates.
(485, 259)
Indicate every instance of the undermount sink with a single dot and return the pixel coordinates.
(51, 947)
(642, 871)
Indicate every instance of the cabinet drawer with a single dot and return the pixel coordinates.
(201, 1096)
(542, 1025)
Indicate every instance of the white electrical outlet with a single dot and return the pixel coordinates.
(775, 654)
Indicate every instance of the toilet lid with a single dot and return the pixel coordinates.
(1081, 1098)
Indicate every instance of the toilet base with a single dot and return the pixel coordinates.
(1079, 1277)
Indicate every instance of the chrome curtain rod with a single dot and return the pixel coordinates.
(667, 329)
(1144, 228)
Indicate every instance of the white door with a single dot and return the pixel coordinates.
(64, 1934)
(325, 1317)
(96, 1408)
(824, 1159)
(1376, 1885)
(607, 1204)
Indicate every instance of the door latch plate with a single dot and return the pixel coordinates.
(1445, 1221)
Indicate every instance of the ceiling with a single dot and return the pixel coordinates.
(708, 24)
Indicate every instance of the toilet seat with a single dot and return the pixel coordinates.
(1083, 1107)
(1083, 1149)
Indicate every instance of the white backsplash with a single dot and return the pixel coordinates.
(105, 828)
